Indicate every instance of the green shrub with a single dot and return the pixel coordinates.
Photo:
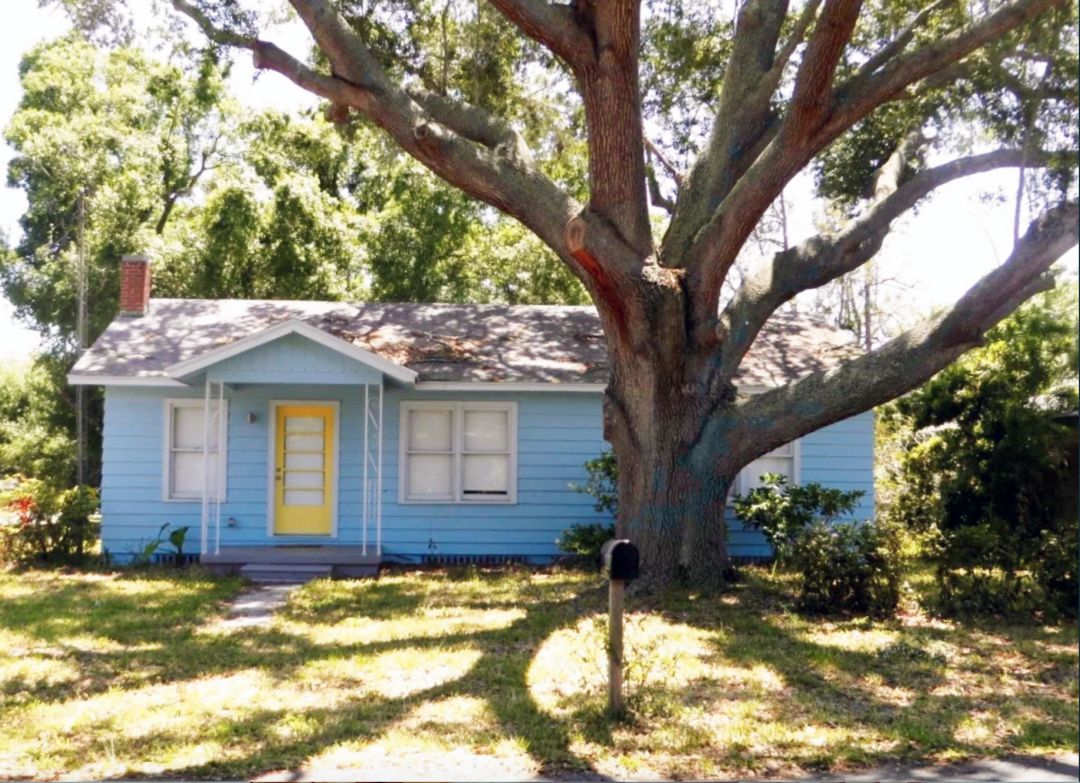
(603, 483)
(586, 539)
(983, 458)
(782, 511)
(176, 537)
(848, 567)
(1055, 571)
(48, 525)
(971, 580)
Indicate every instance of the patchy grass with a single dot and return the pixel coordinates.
(114, 675)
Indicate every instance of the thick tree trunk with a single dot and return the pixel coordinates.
(664, 414)
(673, 486)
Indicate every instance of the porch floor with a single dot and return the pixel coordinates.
(339, 560)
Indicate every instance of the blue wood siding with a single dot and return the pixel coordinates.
(293, 359)
(557, 432)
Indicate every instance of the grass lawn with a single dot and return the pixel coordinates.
(112, 675)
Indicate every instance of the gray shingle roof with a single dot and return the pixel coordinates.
(441, 342)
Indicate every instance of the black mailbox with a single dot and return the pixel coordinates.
(620, 559)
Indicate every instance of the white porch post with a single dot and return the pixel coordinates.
(378, 480)
(366, 457)
(205, 469)
(223, 425)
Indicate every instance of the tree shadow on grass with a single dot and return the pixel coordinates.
(904, 694)
(258, 739)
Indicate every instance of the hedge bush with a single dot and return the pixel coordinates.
(848, 567)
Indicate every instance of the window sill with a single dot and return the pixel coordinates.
(507, 502)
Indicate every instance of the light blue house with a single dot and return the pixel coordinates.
(334, 437)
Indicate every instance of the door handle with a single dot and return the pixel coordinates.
(277, 475)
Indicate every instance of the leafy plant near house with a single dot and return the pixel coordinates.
(783, 511)
(845, 567)
(603, 482)
(48, 525)
(850, 566)
(587, 538)
(176, 538)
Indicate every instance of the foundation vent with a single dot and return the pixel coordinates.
(480, 560)
(171, 558)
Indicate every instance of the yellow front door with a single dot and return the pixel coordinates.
(304, 469)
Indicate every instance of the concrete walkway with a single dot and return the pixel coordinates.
(254, 608)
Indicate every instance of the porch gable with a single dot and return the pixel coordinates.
(291, 352)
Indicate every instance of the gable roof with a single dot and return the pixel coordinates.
(439, 343)
(201, 361)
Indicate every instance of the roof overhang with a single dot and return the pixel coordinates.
(189, 367)
(83, 379)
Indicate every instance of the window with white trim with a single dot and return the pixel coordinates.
(185, 423)
(458, 452)
(782, 460)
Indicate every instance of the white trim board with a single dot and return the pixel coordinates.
(125, 380)
(271, 437)
(509, 386)
(292, 326)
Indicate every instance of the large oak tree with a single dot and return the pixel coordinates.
(782, 89)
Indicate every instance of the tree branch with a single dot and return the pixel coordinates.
(823, 258)
(716, 244)
(656, 196)
(814, 80)
(864, 92)
(903, 38)
(743, 118)
(600, 42)
(768, 420)
(554, 26)
(498, 179)
(615, 133)
(473, 123)
(818, 115)
(669, 167)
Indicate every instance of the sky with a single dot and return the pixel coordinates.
(935, 255)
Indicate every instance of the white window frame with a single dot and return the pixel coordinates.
(744, 477)
(171, 405)
(457, 450)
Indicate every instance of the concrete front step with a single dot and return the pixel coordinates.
(285, 573)
(343, 562)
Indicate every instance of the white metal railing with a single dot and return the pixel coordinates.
(211, 504)
(372, 459)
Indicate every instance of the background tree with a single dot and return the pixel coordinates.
(987, 461)
(35, 427)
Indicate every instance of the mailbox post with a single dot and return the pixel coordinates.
(621, 564)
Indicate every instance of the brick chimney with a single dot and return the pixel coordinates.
(134, 285)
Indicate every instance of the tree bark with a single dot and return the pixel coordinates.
(665, 413)
(673, 486)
